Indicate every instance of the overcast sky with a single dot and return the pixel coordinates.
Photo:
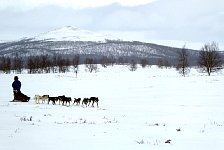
(76, 4)
(185, 20)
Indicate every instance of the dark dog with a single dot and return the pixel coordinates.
(77, 101)
(94, 100)
(60, 99)
(65, 100)
(53, 99)
(86, 101)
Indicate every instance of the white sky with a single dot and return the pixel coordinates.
(184, 20)
(29, 4)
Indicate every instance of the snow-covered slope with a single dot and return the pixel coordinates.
(69, 33)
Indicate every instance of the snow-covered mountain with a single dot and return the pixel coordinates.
(70, 41)
(70, 33)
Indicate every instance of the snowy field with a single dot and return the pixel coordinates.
(139, 110)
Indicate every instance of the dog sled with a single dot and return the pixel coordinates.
(20, 97)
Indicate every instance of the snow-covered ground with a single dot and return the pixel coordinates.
(138, 110)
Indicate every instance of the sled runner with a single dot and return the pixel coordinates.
(19, 100)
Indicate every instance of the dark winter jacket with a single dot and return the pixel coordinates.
(16, 85)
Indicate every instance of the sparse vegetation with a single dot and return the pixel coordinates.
(91, 64)
(26, 118)
(183, 64)
(133, 65)
(209, 58)
(45, 57)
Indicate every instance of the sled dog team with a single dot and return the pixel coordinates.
(66, 100)
(19, 96)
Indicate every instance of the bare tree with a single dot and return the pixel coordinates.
(163, 63)
(183, 64)
(104, 61)
(112, 60)
(75, 63)
(144, 62)
(160, 63)
(209, 58)
(53, 64)
(17, 63)
(91, 64)
(31, 64)
(63, 64)
(166, 63)
(133, 65)
(121, 60)
(5, 64)
(45, 63)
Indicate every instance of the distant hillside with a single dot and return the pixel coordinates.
(109, 48)
(69, 41)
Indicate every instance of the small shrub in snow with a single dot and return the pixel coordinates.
(178, 130)
(17, 130)
(155, 143)
(168, 141)
(26, 119)
(82, 121)
(110, 120)
(140, 142)
(156, 124)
